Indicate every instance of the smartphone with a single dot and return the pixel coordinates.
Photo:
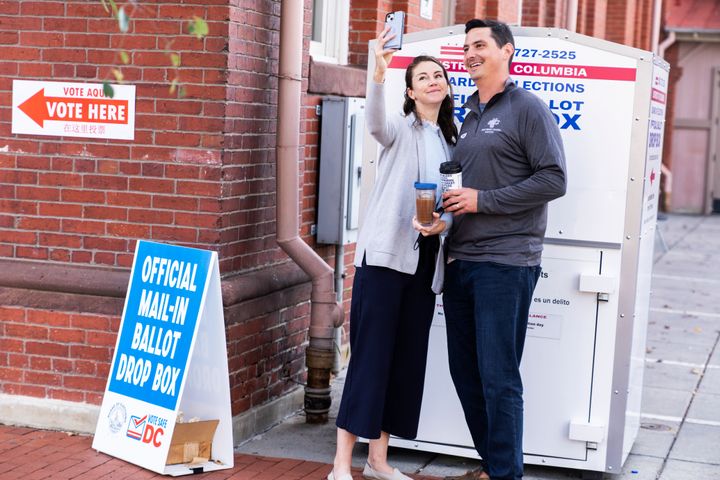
(396, 22)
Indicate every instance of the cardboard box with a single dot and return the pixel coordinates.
(191, 441)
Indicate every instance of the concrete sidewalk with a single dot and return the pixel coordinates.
(679, 438)
(680, 434)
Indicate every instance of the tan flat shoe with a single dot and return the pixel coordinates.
(347, 476)
(372, 474)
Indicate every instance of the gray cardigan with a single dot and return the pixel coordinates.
(387, 236)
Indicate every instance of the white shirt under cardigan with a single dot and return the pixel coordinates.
(387, 236)
(435, 147)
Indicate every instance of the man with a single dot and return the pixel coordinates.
(512, 165)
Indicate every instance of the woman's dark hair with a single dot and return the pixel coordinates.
(447, 109)
(499, 31)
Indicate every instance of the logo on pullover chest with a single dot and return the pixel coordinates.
(492, 126)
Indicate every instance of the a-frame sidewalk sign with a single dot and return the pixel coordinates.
(169, 367)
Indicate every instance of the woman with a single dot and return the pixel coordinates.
(393, 303)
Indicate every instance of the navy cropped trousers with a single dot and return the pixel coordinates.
(390, 317)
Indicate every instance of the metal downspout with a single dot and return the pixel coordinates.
(339, 281)
(666, 169)
(571, 12)
(325, 311)
(657, 18)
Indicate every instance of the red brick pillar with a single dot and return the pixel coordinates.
(505, 10)
(592, 18)
(620, 21)
(467, 9)
(600, 19)
(550, 13)
(533, 14)
(643, 24)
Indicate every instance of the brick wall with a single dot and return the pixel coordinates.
(200, 172)
(86, 200)
(248, 174)
(57, 355)
(366, 20)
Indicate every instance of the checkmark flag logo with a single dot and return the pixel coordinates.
(136, 427)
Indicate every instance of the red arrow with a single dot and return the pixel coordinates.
(96, 110)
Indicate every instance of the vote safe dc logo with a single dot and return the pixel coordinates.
(148, 429)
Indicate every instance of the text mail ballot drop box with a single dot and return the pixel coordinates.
(583, 361)
(170, 363)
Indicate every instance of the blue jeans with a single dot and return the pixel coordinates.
(486, 308)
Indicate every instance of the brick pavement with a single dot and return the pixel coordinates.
(31, 454)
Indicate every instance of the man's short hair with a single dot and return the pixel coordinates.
(499, 31)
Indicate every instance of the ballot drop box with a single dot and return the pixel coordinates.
(582, 366)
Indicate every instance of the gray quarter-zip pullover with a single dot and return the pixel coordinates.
(513, 155)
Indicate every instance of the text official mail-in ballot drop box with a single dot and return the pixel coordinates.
(583, 361)
(170, 358)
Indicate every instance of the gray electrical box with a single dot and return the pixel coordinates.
(341, 152)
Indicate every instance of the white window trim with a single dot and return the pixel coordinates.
(335, 32)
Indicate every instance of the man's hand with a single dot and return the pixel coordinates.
(460, 200)
(437, 227)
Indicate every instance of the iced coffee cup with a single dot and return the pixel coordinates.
(425, 202)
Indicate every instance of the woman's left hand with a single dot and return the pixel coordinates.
(437, 227)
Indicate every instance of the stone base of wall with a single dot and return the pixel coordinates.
(59, 324)
(82, 418)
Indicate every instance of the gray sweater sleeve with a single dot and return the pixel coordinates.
(544, 148)
(382, 129)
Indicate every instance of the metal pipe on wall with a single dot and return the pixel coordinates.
(339, 280)
(520, 13)
(571, 14)
(325, 311)
(667, 169)
(657, 17)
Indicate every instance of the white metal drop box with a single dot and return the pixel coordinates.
(583, 361)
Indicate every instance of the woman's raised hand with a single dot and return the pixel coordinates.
(383, 55)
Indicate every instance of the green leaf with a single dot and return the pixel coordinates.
(108, 90)
(175, 59)
(114, 7)
(118, 75)
(124, 57)
(123, 20)
(182, 92)
(105, 5)
(198, 27)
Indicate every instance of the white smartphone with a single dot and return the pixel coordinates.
(396, 22)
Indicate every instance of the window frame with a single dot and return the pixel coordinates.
(334, 32)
